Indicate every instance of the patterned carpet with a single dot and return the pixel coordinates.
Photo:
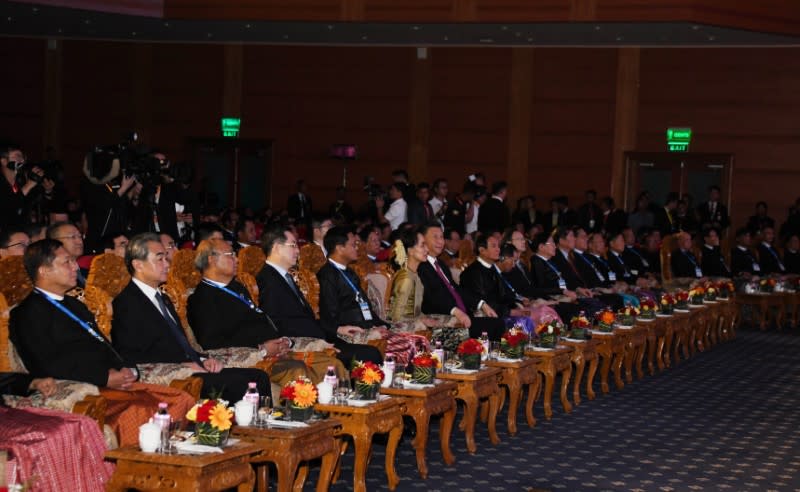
(727, 419)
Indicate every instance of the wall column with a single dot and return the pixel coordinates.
(626, 117)
(232, 80)
(519, 124)
(53, 63)
(420, 115)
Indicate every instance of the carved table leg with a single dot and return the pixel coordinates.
(576, 385)
(618, 359)
(628, 360)
(651, 356)
(638, 362)
(287, 468)
(391, 449)
(300, 479)
(329, 461)
(533, 388)
(668, 339)
(549, 380)
(262, 478)
(249, 484)
(604, 370)
(493, 402)
(590, 377)
(514, 396)
(362, 441)
(660, 352)
(445, 429)
(420, 441)
(564, 385)
(468, 421)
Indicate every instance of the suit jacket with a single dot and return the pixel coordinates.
(720, 217)
(770, 260)
(615, 221)
(493, 216)
(419, 213)
(635, 261)
(685, 264)
(51, 344)
(713, 263)
(791, 261)
(590, 217)
(545, 278)
(568, 271)
(14, 383)
(590, 273)
(293, 317)
(743, 262)
(665, 221)
(486, 284)
(293, 207)
(141, 334)
(436, 298)
(619, 265)
(521, 279)
(220, 320)
(337, 300)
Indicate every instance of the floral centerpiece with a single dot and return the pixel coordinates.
(425, 365)
(627, 315)
(470, 351)
(578, 326)
(512, 343)
(725, 289)
(667, 304)
(767, 285)
(300, 395)
(213, 420)
(711, 293)
(368, 377)
(548, 331)
(647, 308)
(696, 295)
(605, 320)
(682, 300)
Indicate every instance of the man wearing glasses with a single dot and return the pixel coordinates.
(13, 242)
(72, 239)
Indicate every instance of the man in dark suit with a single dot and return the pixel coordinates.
(419, 210)
(684, 263)
(634, 259)
(713, 263)
(146, 328)
(299, 206)
(614, 219)
(713, 213)
(21, 384)
(282, 300)
(742, 260)
(548, 279)
(494, 214)
(589, 213)
(442, 296)
(617, 262)
(72, 241)
(666, 215)
(768, 257)
(482, 281)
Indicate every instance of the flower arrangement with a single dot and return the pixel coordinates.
(425, 365)
(578, 326)
(368, 377)
(696, 294)
(767, 284)
(470, 351)
(667, 303)
(682, 300)
(213, 420)
(605, 320)
(548, 331)
(627, 315)
(512, 343)
(647, 308)
(725, 289)
(300, 395)
(711, 293)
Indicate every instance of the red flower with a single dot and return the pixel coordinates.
(514, 337)
(425, 359)
(470, 346)
(204, 412)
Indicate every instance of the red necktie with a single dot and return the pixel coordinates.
(459, 301)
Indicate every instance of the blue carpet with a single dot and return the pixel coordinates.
(726, 419)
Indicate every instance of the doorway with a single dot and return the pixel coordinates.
(233, 172)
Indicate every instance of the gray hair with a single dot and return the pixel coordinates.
(206, 249)
(137, 248)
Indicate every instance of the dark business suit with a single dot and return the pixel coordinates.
(337, 300)
(570, 274)
(141, 334)
(665, 220)
(743, 262)
(685, 264)
(485, 284)
(713, 263)
(546, 280)
(436, 299)
(792, 261)
(294, 317)
(635, 261)
(520, 278)
(589, 217)
(419, 213)
(592, 275)
(621, 269)
(220, 320)
(718, 219)
(770, 260)
(493, 216)
(300, 210)
(51, 344)
(14, 383)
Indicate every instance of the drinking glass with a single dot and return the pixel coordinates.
(342, 391)
(494, 350)
(264, 411)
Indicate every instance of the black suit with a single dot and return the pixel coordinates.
(665, 221)
(419, 213)
(619, 265)
(713, 263)
(141, 333)
(791, 261)
(591, 274)
(220, 320)
(14, 383)
(635, 261)
(685, 264)
(589, 217)
(294, 317)
(493, 216)
(436, 299)
(718, 219)
(520, 278)
(337, 300)
(299, 210)
(545, 277)
(486, 284)
(743, 262)
(770, 260)
(51, 344)
(568, 272)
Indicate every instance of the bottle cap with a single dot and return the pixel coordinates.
(331, 368)
(162, 405)
(252, 385)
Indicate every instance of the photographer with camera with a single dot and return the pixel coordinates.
(18, 189)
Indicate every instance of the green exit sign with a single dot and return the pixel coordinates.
(678, 139)
(230, 126)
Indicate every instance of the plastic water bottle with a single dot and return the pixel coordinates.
(252, 396)
(330, 378)
(439, 352)
(485, 342)
(162, 417)
(388, 370)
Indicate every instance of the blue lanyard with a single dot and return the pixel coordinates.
(505, 281)
(775, 255)
(689, 257)
(632, 249)
(82, 323)
(553, 268)
(604, 262)
(619, 259)
(350, 283)
(585, 260)
(249, 303)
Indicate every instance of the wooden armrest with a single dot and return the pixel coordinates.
(94, 407)
(192, 385)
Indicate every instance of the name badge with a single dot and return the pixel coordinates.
(599, 276)
(612, 276)
(634, 272)
(698, 273)
(756, 267)
(562, 284)
(645, 263)
(365, 312)
(591, 223)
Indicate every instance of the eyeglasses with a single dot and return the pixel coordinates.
(228, 253)
(290, 245)
(23, 244)
(168, 246)
(73, 237)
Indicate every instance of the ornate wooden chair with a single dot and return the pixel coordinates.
(251, 260)
(16, 284)
(249, 281)
(667, 246)
(526, 256)
(108, 272)
(182, 269)
(311, 257)
(309, 285)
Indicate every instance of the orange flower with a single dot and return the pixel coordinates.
(607, 317)
(220, 417)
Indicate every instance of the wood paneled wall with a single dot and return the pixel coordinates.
(479, 103)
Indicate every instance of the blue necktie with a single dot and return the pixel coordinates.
(176, 331)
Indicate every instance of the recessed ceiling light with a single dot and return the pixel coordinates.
(248, 26)
(285, 36)
(415, 28)
(712, 38)
(446, 38)
(36, 9)
(166, 24)
(87, 21)
(363, 38)
(504, 28)
(330, 27)
(695, 28)
(620, 38)
(132, 34)
(596, 28)
(209, 35)
(9, 19)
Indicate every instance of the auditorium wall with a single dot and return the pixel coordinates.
(738, 100)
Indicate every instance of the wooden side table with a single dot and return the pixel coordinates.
(287, 448)
(515, 376)
(764, 303)
(681, 326)
(584, 351)
(361, 423)
(550, 363)
(611, 347)
(420, 404)
(472, 388)
(178, 472)
(656, 338)
(635, 341)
